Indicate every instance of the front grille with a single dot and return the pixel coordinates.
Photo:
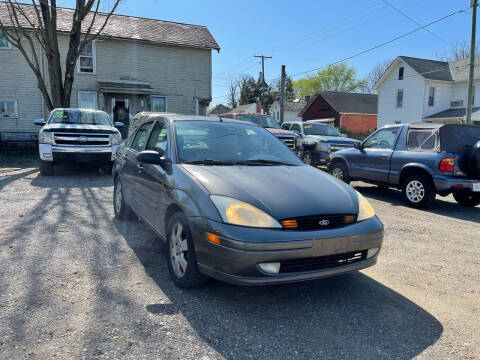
(322, 262)
(321, 222)
(289, 141)
(76, 139)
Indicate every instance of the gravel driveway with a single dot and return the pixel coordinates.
(76, 283)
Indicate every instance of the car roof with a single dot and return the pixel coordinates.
(172, 117)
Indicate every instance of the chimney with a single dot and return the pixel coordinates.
(259, 107)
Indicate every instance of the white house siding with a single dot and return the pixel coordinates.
(287, 115)
(459, 92)
(443, 96)
(179, 73)
(413, 86)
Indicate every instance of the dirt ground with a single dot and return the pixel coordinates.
(75, 283)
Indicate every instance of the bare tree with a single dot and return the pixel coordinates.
(459, 51)
(29, 26)
(233, 93)
(375, 74)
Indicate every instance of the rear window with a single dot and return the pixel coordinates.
(422, 140)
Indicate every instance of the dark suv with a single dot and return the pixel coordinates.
(421, 159)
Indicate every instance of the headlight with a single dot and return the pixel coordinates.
(237, 212)
(322, 146)
(45, 137)
(298, 141)
(365, 210)
(116, 139)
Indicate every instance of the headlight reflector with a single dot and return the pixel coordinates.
(237, 212)
(45, 137)
(116, 139)
(365, 210)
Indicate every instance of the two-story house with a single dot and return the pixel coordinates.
(416, 90)
(137, 64)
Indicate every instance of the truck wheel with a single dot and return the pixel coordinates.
(467, 198)
(182, 261)
(121, 209)
(418, 191)
(107, 169)
(340, 171)
(307, 158)
(46, 168)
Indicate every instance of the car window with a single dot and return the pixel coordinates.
(296, 127)
(382, 139)
(79, 116)
(158, 139)
(320, 129)
(286, 126)
(422, 140)
(141, 137)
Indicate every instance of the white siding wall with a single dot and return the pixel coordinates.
(413, 86)
(287, 115)
(443, 96)
(459, 92)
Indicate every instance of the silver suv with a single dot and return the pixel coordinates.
(77, 135)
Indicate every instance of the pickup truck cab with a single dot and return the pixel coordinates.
(420, 159)
(319, 140)
(77, 135)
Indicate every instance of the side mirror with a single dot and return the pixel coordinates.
(119, 124)
(153, 157)
(39, 122)
(358, 145)
(344, 135)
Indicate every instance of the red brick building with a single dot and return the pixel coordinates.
(353, 111)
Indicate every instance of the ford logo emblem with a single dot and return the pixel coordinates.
(324, 222)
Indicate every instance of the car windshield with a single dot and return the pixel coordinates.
(223, 143)
(264, 121)
(77, 116)
(320, 129)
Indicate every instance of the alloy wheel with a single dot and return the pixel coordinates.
(178, 250)
(307, 159)
(415, 191)
(338, 173)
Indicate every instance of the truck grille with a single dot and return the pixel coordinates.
(289, 141)
(76, 139)
(322, 262)
(319, 222)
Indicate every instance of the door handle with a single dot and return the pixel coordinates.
(384, 156)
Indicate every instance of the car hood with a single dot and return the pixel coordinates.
(85, 128)
(281, 191)
(280, 131)
(333, 139)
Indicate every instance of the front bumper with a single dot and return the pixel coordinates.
(444, 184)
(76, 153)
(242, 249)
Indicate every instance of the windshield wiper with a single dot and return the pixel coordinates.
(208, 162)
(262, 162)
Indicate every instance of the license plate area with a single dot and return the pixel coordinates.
(329, 246)
(476, 187)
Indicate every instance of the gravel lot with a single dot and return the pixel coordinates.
(76, 283)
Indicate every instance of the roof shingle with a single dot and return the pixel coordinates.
(347, 103)
(429, 69)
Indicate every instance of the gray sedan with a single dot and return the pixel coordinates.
(234, 203)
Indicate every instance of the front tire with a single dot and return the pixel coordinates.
(46, 168)
(418, 191)
(182, 261)
(308, 157)
(467, 198)
(340, 171)
(120, 207)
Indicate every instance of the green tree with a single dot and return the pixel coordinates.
(289, 89)
(339, 77)
(248, 91)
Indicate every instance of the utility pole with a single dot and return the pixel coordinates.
(282, 94)
(468, 117)
(262, 94)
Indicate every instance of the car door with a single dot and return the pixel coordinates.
(372, 162)
(154, 185)
(132, 169)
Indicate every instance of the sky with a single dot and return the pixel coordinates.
(309, 34)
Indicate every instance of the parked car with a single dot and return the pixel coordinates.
(226, 197)
(289, 138)
(78, 135)
(421, 159)
(319, 140)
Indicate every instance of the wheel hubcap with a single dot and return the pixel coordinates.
(307, 159)
(178, 250)
(415, 191)
(118, 197)
(338, 173)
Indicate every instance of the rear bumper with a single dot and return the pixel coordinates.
(452, 183)
(76, 153)
(242, 249)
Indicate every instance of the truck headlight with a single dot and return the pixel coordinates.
(45, 137)
(365, 210)
(322, 146)
(237, 212)
(116, 139)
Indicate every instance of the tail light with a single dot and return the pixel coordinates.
(447, 164)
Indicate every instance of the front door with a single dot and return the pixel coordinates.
(121, 112)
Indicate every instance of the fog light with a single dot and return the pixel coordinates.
(271, 268)
(372, 252)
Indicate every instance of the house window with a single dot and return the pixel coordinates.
(159, 103)
(431, 96)
(4, 44)
(87, 60)
(399, 98)
(400, 73)
(8, 108)
(87, 99)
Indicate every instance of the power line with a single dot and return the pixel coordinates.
(384, 43)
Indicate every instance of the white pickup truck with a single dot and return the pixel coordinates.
(77, 135)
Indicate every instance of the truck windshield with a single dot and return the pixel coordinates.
(77, 116)
(320, 129)
(264, 121)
